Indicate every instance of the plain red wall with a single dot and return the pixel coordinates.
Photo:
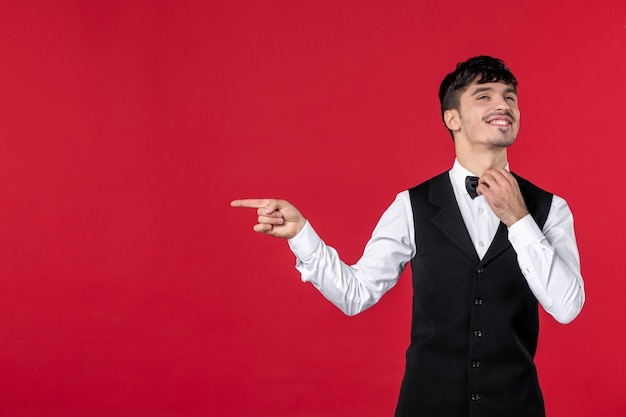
(128, 285)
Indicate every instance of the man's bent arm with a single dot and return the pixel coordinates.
(550, 261)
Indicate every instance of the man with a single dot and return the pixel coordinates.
(485, 247)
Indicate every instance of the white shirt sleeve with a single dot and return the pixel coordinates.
(355, 288)
(550, 262)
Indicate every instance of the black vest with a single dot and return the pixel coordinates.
(475, 323)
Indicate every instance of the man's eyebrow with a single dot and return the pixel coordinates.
(483, 89)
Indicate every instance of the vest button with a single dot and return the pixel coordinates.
(480, 270)
(478, 301)
(476, 364)
(478, 333)
(475, 397)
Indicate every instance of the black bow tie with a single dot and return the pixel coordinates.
(470, 184)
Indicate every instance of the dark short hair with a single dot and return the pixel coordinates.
(480, 69)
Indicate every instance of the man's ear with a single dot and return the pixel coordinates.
(451, 118)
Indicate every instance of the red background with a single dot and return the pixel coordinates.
(128, 285)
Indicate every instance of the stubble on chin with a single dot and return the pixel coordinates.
(501, 142)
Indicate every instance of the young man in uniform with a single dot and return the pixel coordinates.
(485, 246)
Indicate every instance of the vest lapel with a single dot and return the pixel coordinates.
(499, 243)
(448, 219)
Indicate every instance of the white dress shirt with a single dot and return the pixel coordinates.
(548, 258)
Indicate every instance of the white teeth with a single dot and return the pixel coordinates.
(499, 122)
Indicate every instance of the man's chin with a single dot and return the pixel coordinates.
(502, 142)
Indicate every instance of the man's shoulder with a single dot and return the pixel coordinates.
(528, 185)
(444, 176)
(436, 190)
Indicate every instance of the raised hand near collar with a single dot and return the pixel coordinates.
(502, 192)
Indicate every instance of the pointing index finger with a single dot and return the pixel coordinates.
(250, 203)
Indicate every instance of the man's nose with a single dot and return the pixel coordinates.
(502, 104)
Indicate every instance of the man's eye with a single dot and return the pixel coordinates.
(511, 98)
(483, 97)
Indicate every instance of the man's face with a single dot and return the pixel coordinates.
(488, 115)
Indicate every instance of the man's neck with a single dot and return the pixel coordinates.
(478, 163)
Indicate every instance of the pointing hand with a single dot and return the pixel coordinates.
(277, 218)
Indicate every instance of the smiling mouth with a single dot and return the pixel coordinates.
(500, 122)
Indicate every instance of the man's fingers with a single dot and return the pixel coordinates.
(262, 228)
(488, 178)
(495, 177)
(269, 211)
(271, 219)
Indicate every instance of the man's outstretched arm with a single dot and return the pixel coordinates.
(351, 288)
